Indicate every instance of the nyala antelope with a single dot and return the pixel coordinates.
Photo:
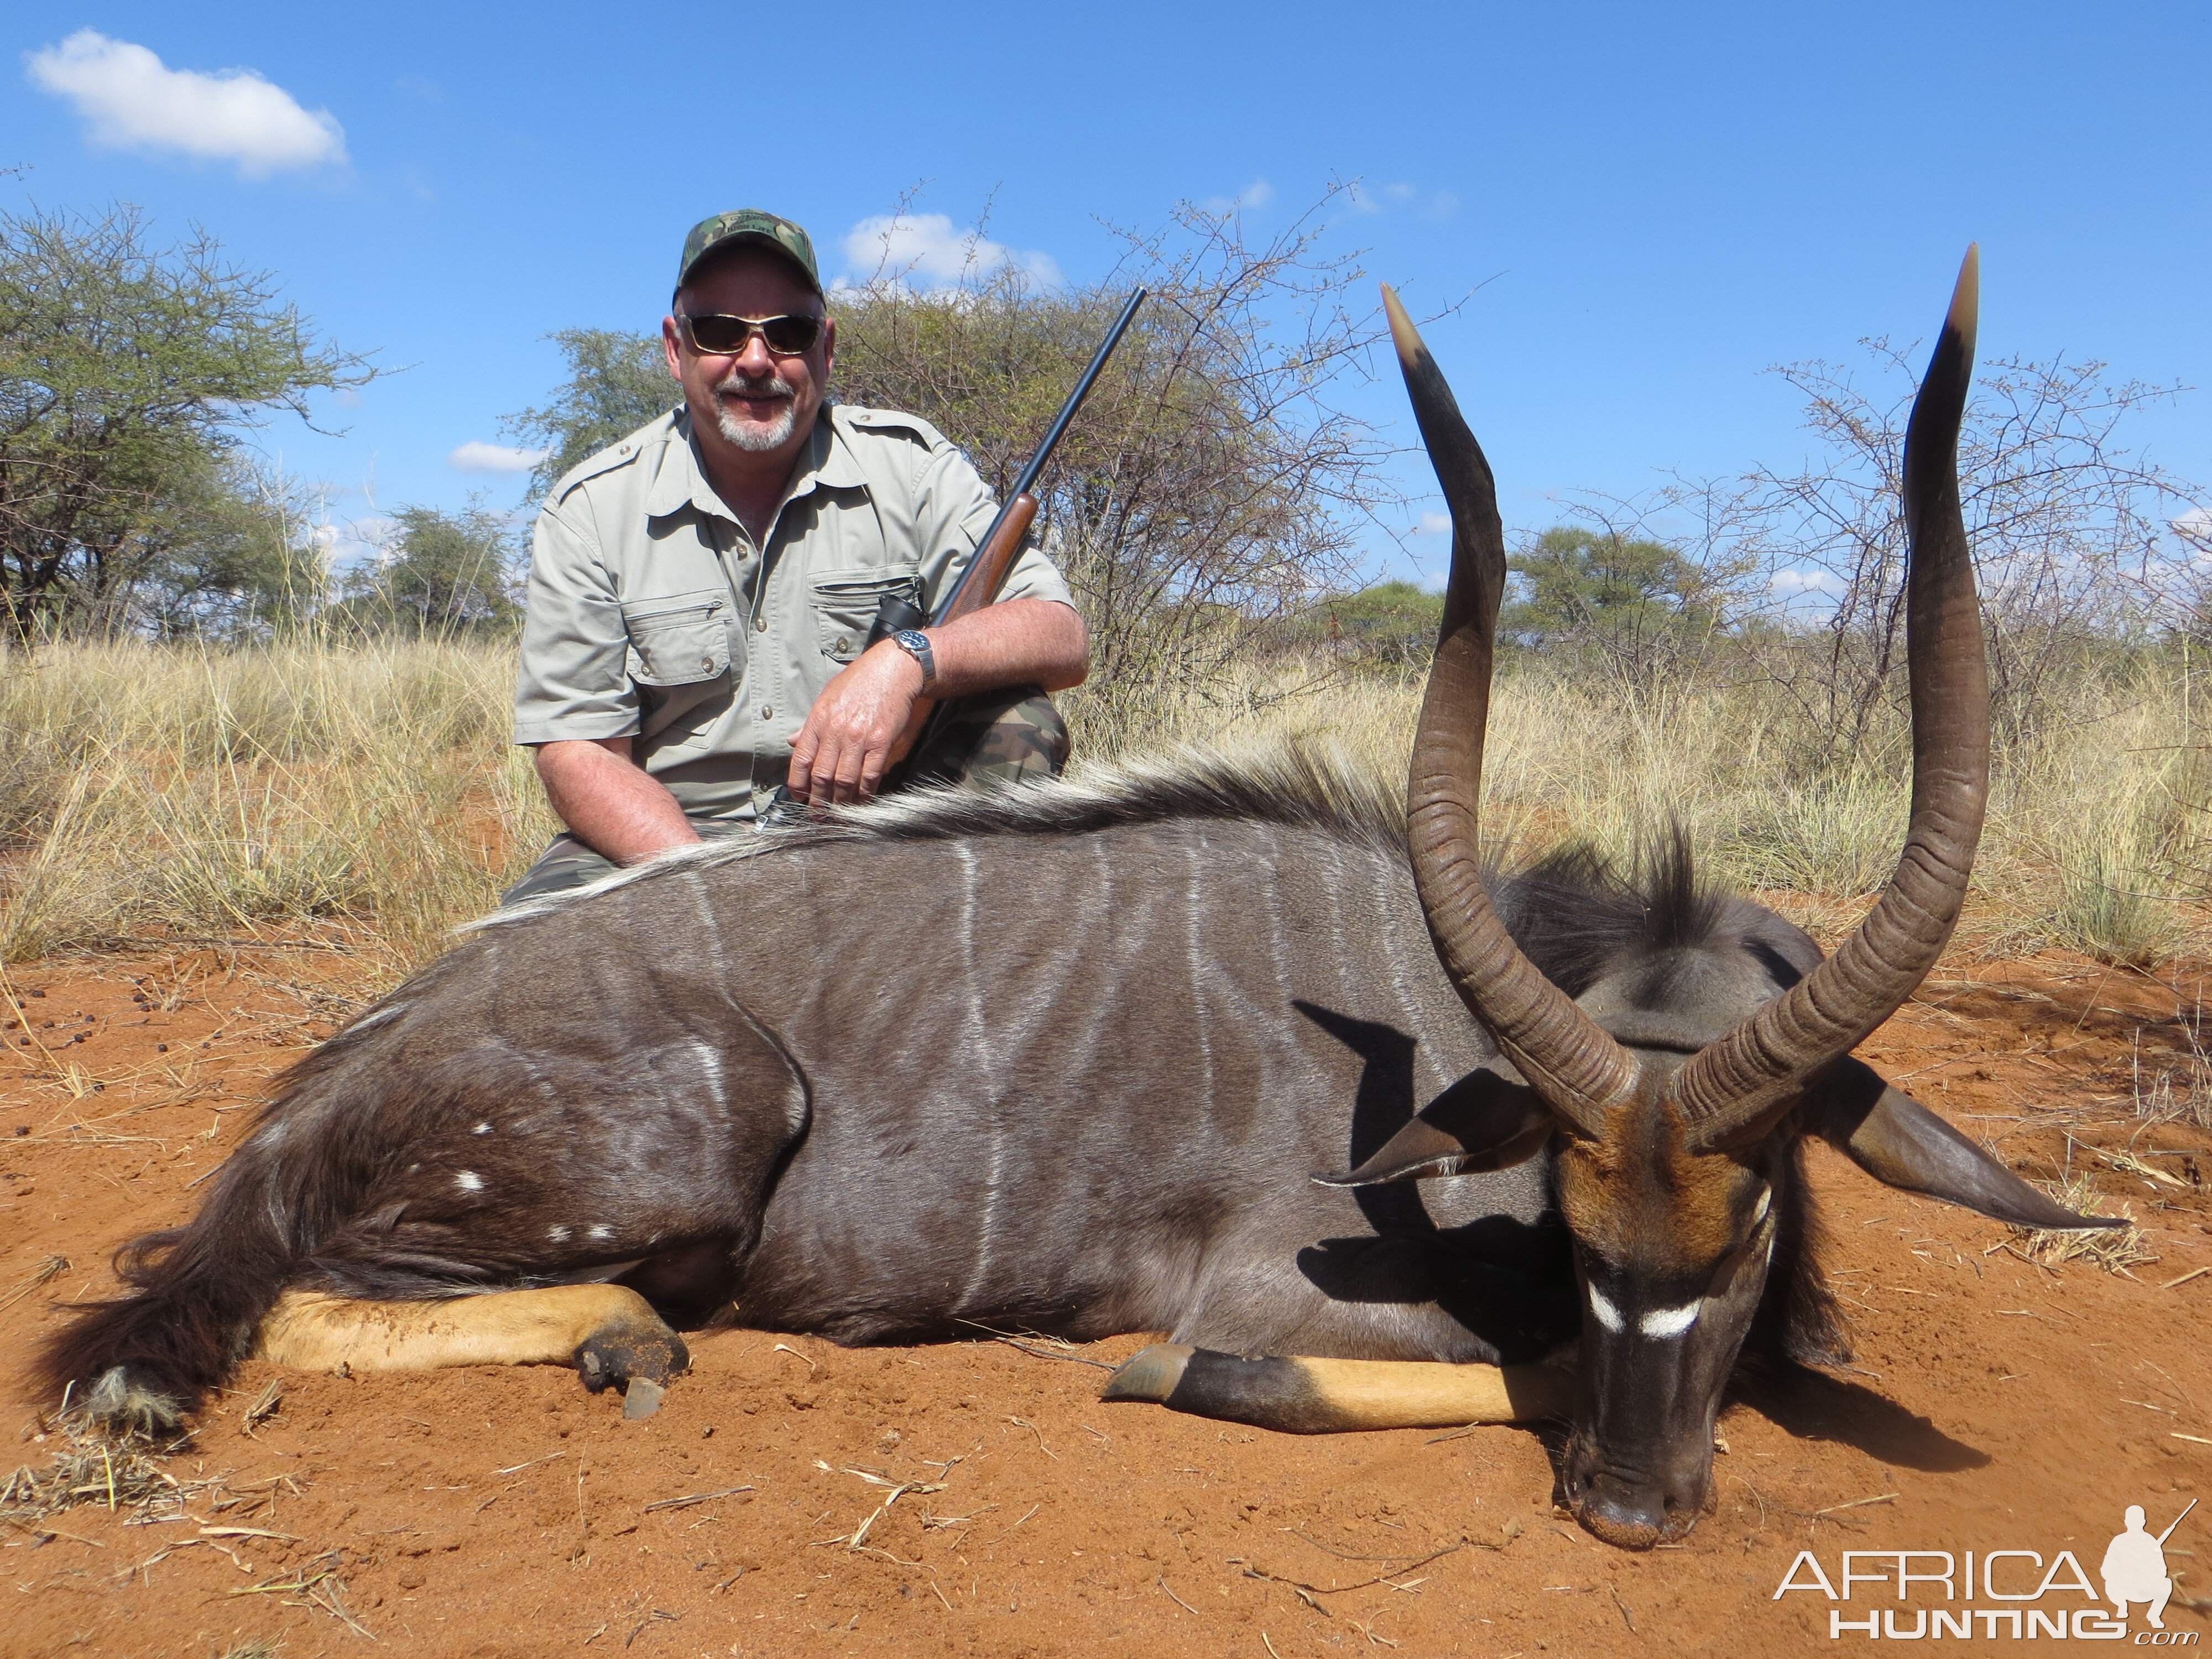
(1066, 1059)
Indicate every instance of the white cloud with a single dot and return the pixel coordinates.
(2194, 525)
(476, 456)
(1804, 581)
(132, 101)
(925, 245)
(1257, 194)
(1433, 523)
(1401, 192)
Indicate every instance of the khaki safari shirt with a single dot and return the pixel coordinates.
(652, 615)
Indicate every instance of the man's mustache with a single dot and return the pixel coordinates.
(752, 386)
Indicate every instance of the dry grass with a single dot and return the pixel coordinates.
(260, 791)
(126, 1474)
(2109, 1248)
(2175, 1087)
(2090, 842)
(372, 791)
(110, 1473)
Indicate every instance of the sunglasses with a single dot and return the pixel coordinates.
(727, 337)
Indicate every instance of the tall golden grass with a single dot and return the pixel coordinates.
(191, 791)
(371, 790)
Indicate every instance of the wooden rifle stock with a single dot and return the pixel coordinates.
(988, 572)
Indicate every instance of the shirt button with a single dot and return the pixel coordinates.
(844, 644)
(767, 713)
(761, 623)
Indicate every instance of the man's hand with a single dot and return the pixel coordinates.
(866, 718)
(857, 728)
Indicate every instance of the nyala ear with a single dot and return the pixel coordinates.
(1901, 1144)
(1482, 1123)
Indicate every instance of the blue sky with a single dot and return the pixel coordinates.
(1659, 201)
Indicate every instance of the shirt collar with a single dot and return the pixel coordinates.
(678, 481)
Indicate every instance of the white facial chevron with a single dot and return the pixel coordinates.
(1607, 1315)
(1661, 1324)
(1670, 1322)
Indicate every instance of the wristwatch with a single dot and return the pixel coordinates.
(916, 644)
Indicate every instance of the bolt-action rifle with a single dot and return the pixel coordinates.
(985, 574)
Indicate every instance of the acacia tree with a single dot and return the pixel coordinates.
(127, 372)
(1631, 599)
(238, 559)
(439, 573)
(2069, 529)
(617, 383)
(2065, 522)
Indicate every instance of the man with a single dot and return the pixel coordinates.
(699, 594)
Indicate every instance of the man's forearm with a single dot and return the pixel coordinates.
(610, 802)
(1014, 642)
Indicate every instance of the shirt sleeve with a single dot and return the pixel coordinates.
(954, 508)
(574, 680)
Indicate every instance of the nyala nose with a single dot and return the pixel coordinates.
(1633, 1512)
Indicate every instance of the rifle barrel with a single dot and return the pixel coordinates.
(1036, 462)
(2177, 1520)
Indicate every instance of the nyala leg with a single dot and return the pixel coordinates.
(1327, 1396)
(609, 1333)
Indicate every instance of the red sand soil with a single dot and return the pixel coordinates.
(976, 1500)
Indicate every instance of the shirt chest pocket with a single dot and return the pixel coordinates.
(678, 640)
(846, 601)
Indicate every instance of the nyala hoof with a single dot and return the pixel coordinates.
(640, 1360)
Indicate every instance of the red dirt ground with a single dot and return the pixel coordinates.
(1997, 1405)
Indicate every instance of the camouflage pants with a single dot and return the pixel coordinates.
(1013, 736)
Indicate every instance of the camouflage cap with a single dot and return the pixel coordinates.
(750, 225)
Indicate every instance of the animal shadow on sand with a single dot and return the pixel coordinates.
(1812, 1405)
(1511, 1282)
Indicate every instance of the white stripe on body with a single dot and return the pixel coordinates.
(1194, 858)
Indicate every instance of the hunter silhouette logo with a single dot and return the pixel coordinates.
(2134, 1566)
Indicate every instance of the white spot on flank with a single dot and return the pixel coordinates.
(1670, 1322)
(558, 1235)
(469, 1181)
(1607, 1315)
(601, 1231)
(481, 1129)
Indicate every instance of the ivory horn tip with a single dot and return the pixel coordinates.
(1403, 334)
(1966, 294)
